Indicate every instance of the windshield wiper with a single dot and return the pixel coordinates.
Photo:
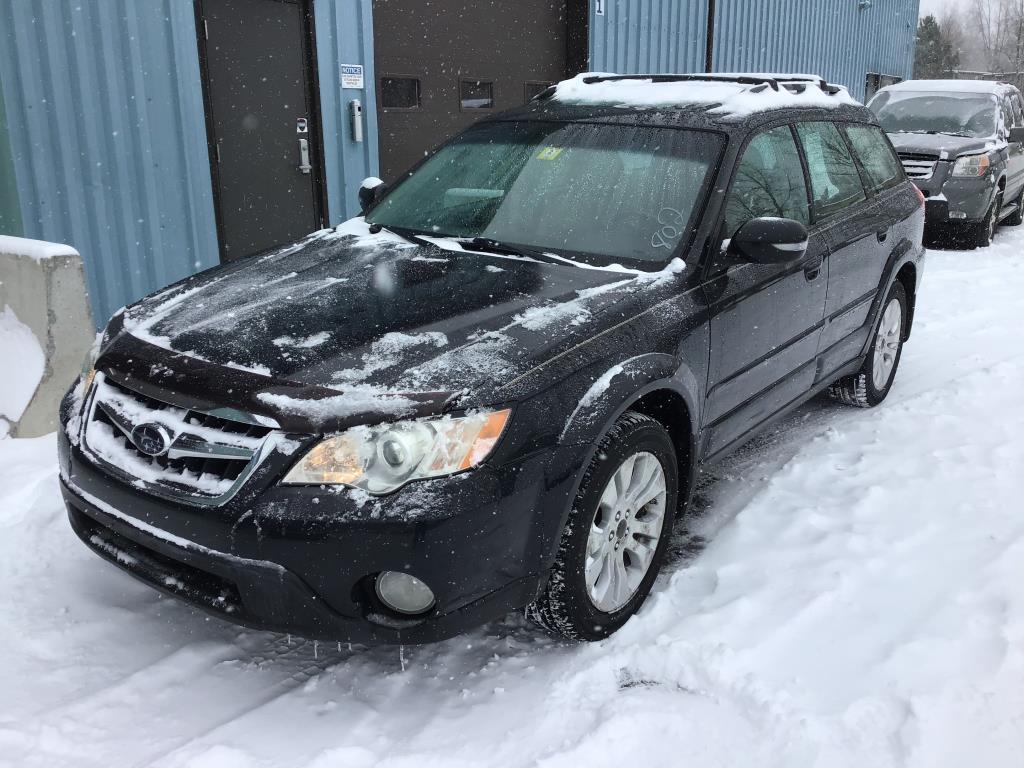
(406, 234)
(963, 134)
(490, 245)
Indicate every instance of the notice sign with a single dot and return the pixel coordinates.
(352, 76)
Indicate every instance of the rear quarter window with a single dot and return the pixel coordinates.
(882, 168)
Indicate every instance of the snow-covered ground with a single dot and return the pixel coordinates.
(850, 592)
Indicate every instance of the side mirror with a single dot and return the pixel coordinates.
(1017, 135)
(770, 240)
(370, 191)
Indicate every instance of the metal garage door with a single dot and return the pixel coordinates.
(442, 66)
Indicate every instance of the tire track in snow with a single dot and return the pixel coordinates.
(179, 711)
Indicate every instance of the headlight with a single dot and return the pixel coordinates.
(89, 365)
(973, 166)
(382, 459)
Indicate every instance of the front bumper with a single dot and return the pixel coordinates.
(951, 200)
(302, 559)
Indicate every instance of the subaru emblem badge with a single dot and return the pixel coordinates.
(151, 439)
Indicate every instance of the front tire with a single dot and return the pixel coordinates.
(986, 230)
(871, 384)
(614, 541)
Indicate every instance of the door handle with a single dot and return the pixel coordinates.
(882, 235)
(304, 165)
(812, 268)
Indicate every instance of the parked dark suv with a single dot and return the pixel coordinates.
(495, 390)
(960, 142)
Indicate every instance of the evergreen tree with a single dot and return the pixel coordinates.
(934, 55)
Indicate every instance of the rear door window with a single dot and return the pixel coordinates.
(769, 181)
(881, 166)
(835, 181)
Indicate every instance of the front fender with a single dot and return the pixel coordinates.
(614, 390)
(620, 386)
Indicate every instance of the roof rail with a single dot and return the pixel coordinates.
(741, 79)
(793, 83)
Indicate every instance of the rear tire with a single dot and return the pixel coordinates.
(871, 384)
(608, 557)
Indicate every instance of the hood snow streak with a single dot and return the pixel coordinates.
(375, 316)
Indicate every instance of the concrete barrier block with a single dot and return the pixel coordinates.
(43, 285)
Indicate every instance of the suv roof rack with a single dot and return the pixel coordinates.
(793, 83)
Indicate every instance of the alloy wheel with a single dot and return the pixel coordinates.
(887, 344)
(625, 531)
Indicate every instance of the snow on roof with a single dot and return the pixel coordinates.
(953, 86)
(34, 249)
(725, 97)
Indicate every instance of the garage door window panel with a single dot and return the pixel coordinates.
(476, 94)
(400, 93)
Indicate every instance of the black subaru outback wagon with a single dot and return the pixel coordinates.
(493, 391)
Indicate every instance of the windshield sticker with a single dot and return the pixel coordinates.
(549, 153)
(672, 223)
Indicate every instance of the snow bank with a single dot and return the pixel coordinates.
(23, 364)
(34, 249)
(733, 100)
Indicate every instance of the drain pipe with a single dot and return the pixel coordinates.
(709, 43)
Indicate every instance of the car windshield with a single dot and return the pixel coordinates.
(956, 114)
(600, 194)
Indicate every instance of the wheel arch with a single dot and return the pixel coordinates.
(658, 386)
(907, 276)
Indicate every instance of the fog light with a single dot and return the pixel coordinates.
(403, 593)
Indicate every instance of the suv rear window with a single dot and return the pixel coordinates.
(881, 166)
(835, 181)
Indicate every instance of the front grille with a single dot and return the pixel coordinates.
(919, 167)
(203, 457)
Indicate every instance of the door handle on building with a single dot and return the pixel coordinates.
(355, 113)
(304, 164)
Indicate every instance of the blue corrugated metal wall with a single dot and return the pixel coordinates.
(344, 35)
(107, 130)
(648, 36)
(842, 40)
(838, 39)
(108, 137)
(108, 134)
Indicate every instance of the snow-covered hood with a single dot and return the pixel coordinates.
(375, 318)
(945, 146)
